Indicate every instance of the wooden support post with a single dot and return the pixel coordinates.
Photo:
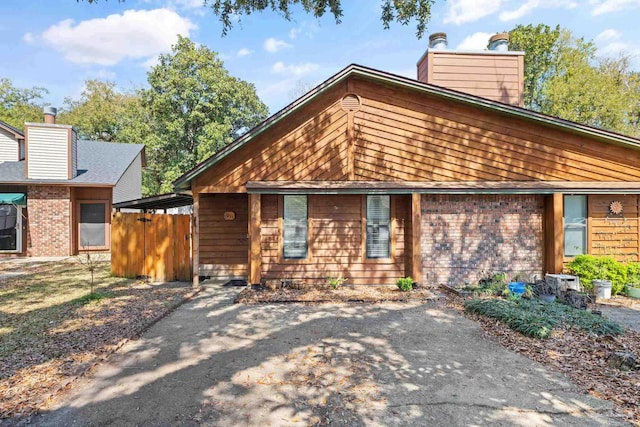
(416, 231)
(558, 233)
(195, 239)
(255, 256)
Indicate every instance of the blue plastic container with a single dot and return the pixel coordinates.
(517, 288)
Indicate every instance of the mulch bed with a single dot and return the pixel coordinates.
(38, 371)
(348, 294)
(579, 355)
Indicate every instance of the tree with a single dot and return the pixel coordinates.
(401, 11)
(195, 108)
(98, 114)
(18, 106)
(564, 77)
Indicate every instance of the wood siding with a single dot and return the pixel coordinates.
(614, 235)
(223, 244)
(401, 136)
(336, 242)
(492, 75)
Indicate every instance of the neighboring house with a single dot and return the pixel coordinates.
(372, 177)
(56, 193)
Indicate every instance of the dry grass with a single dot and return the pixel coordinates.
(364, 293)
(51, 332)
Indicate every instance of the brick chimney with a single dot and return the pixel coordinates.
(496, 74)
(50, 115)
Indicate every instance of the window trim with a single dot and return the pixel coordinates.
(281, 257)
(586, 226)
(392, 230)
(19, 234)
(107, 228)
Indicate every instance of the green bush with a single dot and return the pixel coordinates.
(633, 273)
(537, 319)
(493, 284)
(405, 284)
(590, 267)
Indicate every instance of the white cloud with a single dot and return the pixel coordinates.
(273, 45)
(189, 4)
(107, 41)
(615, 49)
(607, 35)
(607, 6)
(244, 52)
(103, 74)
(476, 41)
(531, 5)
(294, 33)
(294, 69)
(28, 38)
(306, 29)
(462, 11)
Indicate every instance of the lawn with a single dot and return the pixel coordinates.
(51, 332)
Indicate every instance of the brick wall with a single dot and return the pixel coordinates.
(464, 236)
(49, 216)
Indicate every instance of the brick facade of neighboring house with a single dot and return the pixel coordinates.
(466, 236)
(48, 233)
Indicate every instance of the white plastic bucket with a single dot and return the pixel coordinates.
(602, 288)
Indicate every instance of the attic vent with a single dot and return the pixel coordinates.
(351, 102)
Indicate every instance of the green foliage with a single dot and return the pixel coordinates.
(537, 319)
(405, 284)
(633, 273)
(336, 282)
(589, 268)
(493, 284)
(196, 108)
(564, 77)
(93, 296)
(18, 105)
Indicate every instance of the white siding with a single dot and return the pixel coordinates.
(8, 147)
(74, 153)
(129, 187)
(47, 152)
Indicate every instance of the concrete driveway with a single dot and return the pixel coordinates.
(213, 362)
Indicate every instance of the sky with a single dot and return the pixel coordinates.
(58, 44)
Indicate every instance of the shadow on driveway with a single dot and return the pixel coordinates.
(213, 362)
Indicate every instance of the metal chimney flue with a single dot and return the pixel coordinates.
(50, 115)
(499, 42)
(438, 41)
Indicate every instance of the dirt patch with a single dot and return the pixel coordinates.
(623, 310)
(363, 293)
(50, 335)
(580, 355)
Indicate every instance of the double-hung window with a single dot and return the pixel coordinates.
(295, 227)
(378, 239)
(575, 225)
(93, 225)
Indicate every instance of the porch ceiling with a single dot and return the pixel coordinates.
(450, 187)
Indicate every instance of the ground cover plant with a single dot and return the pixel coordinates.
(589, 268)
(53, 328)
(538, 319)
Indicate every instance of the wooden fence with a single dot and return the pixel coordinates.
(157, 246)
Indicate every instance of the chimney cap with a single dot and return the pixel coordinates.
(50, 111)
(438, 41)
(499, 36)
(499, 42)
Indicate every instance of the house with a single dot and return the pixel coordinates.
(56, 192)
(373, 176)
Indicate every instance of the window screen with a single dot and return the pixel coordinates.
(9, 228)
(575, 225)
(92, 225)
(378, 230)
(295, 227)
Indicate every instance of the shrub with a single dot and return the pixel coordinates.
(633, 273)
(336, 282)
(538, 319)
(405, 284)
(493, 284)
(589, 268)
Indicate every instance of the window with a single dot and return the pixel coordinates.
(10, 228)
(93, 226)
(378, 229)
(575, 225)
(295, 227)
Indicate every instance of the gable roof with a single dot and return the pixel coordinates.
(16, 132)
(355, 70)
(99, 163)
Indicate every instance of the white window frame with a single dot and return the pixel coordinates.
(367, 227)
(576, 223)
